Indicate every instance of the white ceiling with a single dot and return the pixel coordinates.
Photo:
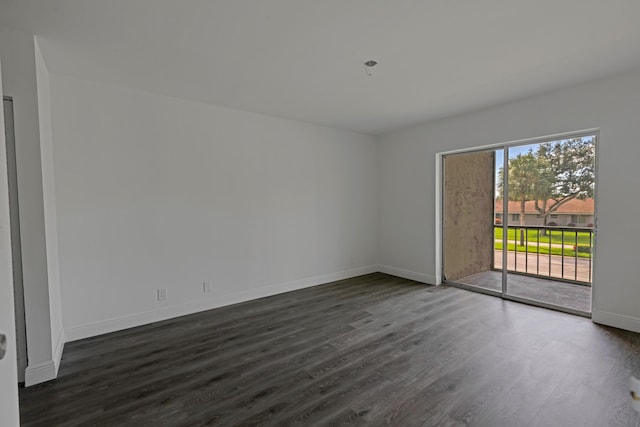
(303, 59)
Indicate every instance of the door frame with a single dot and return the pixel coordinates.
(16, 245)
(9, 402)
(439, 216)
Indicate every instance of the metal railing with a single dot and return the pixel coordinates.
(560, 253)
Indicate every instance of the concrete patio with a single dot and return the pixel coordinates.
(554, 266)
(547, 290)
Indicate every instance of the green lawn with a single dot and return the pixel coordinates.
(544, 250)
(556, 236)
(532, 239)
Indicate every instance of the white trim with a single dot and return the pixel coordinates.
(137, 319)
(42, 372)
(595, 259)
(46, 371)
(524, 141)
(439, 241)
(58, 349)
(616, 320)
(408, 274)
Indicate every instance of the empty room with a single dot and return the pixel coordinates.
(299, 212)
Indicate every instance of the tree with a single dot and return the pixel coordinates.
(570, 168)
(556, 173)
(526, 182)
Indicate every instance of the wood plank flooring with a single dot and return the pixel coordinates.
(372, 350)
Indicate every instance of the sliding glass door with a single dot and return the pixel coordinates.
(539, 202)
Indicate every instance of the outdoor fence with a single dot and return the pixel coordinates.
(560, 253)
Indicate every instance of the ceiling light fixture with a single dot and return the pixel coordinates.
(369, 65)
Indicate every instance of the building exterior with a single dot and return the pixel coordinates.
(574, 213)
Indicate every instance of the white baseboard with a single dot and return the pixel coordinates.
(137, 319)
(58, 349)
(619, 321)
(42, 372)
(46, 371)
(408, 274)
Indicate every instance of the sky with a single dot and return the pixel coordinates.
(513, 152)
(523, 149)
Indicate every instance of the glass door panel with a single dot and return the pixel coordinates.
(550, 218)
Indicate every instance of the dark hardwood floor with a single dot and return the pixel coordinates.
(373, 350)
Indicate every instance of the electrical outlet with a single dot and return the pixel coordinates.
(162, 294)
(206, 287)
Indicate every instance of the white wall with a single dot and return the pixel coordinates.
(19, 82)
(49, 205)
(155, 192)
(407, 181)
